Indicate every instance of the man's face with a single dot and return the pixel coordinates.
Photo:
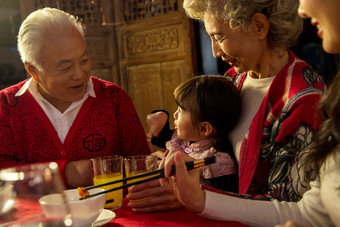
(66, 68)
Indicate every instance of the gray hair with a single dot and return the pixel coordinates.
(39, 25)
(285, 25)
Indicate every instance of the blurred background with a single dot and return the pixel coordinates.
(11, 68)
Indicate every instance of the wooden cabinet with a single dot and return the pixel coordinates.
(155, 53)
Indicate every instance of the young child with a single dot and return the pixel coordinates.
(208, 109)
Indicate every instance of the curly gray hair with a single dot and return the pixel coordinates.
(285, 24)
(38, 26)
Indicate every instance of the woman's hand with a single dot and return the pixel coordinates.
(186, 184)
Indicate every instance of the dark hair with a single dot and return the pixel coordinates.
(327, 139)
(214, 99)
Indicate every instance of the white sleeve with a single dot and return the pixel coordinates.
(309, 210)
(250, 212)
(319, 206)
(330, 188)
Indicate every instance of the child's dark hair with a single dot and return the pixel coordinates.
(214, 99)
(327, 139)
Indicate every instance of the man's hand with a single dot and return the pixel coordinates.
(155, 197)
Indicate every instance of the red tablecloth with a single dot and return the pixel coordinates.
(31, 210)
(176, 218)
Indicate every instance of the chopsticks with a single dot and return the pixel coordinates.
(159, 172)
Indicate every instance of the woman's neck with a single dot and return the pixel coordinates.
(271, 64)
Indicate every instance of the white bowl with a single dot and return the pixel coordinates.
(83, 212)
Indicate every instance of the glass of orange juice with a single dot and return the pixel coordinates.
(139, 164)
(108, 169)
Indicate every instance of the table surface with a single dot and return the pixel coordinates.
(126, 217)
(179, 217)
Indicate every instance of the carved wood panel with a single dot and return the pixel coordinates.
(145, 87)
(162, 39)
(151, 86)
(141, 9)
(90, 11)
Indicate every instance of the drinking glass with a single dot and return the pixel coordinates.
(107, 169)
(21, 187)
(139, 164)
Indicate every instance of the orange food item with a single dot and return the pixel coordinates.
(83, 193)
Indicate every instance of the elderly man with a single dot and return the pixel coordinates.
(61, 113)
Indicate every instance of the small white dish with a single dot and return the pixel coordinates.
(83, 212)
(105, 217)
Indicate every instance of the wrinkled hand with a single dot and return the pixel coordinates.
(79, 173)
(186, 183)
(167, 162)
(158, 197)
(291, 224)
(156, 122)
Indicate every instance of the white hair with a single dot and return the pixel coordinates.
(39, 25)
(285, 23)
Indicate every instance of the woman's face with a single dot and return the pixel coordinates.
(240, 49)
(325, 16)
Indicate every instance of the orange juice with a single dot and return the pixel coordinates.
(117, 195)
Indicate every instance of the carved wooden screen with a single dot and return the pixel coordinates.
(154, 52)
(90, 11)
(141, 9)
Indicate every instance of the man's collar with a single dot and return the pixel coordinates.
(32, 86)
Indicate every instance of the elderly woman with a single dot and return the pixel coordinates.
(280, 92)
(320, 206)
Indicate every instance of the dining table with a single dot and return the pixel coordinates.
(125, 216)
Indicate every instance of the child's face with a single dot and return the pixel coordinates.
(185, 129)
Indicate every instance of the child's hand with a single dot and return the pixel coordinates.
(156, 122)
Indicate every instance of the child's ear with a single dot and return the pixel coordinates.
(32, 70)
(206, 129)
